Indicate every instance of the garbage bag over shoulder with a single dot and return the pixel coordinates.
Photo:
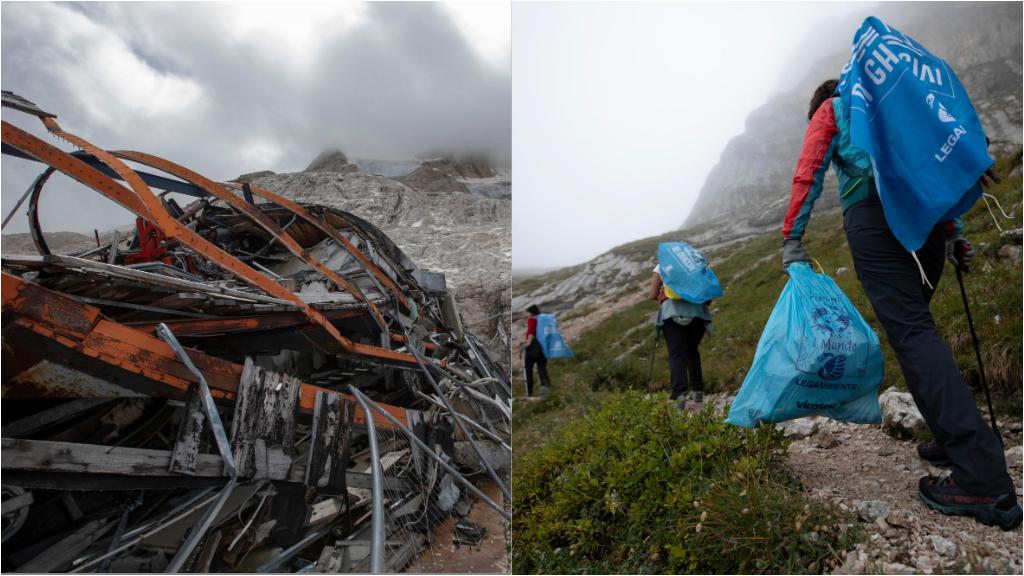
(551, 341)
(909, 112)
(817, 355)
(685, 272)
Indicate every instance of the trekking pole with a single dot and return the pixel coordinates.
(977, 352)
(657, 332)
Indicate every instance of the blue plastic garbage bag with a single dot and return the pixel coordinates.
(817, 355)
(908, 110)
(550, 338)
(685, 270)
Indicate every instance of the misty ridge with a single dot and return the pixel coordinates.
(982, 42)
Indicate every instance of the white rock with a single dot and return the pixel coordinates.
(1014, 457)
(942, 545)
(799, 428)
(899, 413)
(825, 439)
(1011, 253)
(871, 510)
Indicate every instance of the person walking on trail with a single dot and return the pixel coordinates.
(684, 324)
(534, 355)
(900, 285)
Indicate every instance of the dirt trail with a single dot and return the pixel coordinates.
(572, 329)
(850, 465)
(490, 556)
(869, 465)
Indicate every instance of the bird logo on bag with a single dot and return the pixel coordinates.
(833, 367)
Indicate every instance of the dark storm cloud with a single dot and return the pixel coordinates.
(213, 87)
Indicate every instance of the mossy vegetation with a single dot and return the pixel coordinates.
(639, 488)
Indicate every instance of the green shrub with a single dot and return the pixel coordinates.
(636, 487)
(608, 374)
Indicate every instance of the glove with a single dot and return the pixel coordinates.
(959, 252)
(793, 251)
(989, 179)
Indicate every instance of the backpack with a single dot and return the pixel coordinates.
(685, 273)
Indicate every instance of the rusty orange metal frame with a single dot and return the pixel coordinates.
(82, 329)
(147, 205)
(262, 219)
(331, 231)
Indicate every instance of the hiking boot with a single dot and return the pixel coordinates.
(545, 390)
(697, 396)
(944, 495)
(932, 453)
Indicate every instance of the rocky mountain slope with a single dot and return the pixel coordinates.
(441, 226)
(982, 43)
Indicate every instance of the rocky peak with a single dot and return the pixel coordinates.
(331, 161)
(428, 178)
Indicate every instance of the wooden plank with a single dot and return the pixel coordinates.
(43, 456)
(317, 458)
(265, 413)
(340, 450)
(190, 434)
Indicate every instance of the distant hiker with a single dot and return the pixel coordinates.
(684, 324)
(900, 285)
(534, 355)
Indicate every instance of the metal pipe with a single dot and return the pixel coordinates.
(147, 532)
(24, 196)
(455, 415)
(212, 416)
(200, 529)
(423, 446)
(377, 528)
(482, 430)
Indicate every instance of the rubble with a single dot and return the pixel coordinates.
(241, 383)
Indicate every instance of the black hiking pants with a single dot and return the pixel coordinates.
(684, 355)
(535, 357)
(892, 282)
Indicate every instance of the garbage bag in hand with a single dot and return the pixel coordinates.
(817, 355)
(685, 272)
(550, 338)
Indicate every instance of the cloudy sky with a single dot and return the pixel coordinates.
(228, 88)
(620, 111)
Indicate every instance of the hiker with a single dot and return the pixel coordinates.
(900, 286)
(684, 324)
(534, 355)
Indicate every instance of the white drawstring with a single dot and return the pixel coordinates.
(924, 277)
(985, 196)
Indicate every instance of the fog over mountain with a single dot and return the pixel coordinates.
(980, 40)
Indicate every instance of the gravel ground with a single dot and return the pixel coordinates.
(861, 468)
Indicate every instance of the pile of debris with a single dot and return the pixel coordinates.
(244, 383)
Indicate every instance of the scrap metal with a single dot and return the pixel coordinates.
(198, 393)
